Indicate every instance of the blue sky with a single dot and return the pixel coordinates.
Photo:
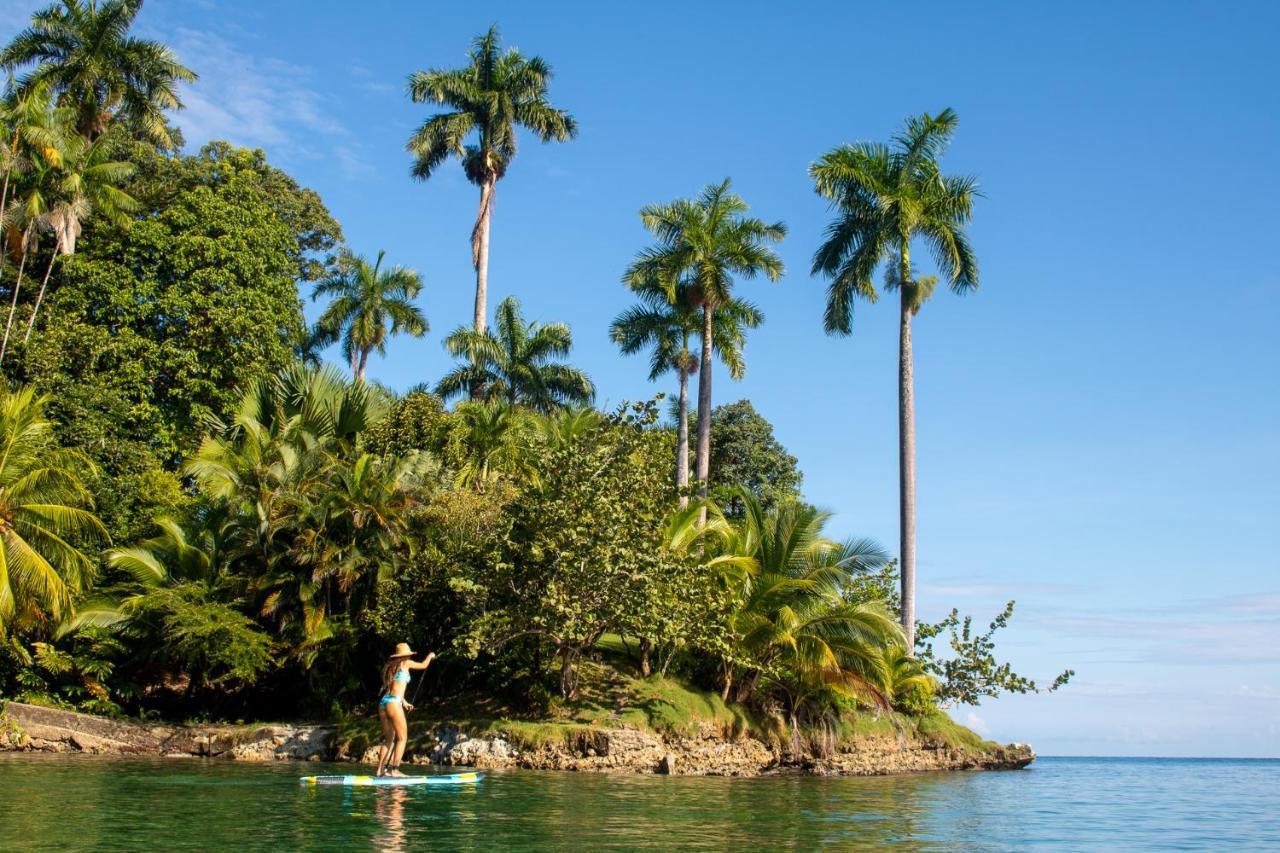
(1098, 425)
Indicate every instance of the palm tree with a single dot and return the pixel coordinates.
(45, 513)
(885, 197)
(709, 240)
(366, 298)
(172, 555)
(310, 521)
(87, 183)
(515, 364)
(31, 133)
(494, 438)
(84, 52)
(793, 624)
(666, 320)
(27, 213)
(491, 97)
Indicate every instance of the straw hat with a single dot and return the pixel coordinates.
(402, 651)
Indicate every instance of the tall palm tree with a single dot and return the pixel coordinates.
(34, 136)
(885, 197)
(84, 51)
(45, 516)
(514, 365)
(494, 94)
(88, 182)
(710, 240)
(667, 319)
(27, 213)
(31, 132)
(366, 299)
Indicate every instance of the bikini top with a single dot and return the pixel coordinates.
(401, 675)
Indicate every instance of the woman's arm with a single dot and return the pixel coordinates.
(424, 663)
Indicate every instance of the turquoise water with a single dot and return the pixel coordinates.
(1066, 803)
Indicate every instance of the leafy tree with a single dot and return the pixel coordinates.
(709, 239)
(417, 421)
(369, 305)
(147, 332)
(496, 93)
(586, 553)
(85, 53)
(48, 518)
(885, 197)
(666, 320)
(972, 673)
(746, 457)
(515, 365)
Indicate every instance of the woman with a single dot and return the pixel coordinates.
(392, 707)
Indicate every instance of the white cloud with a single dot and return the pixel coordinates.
(259, 101)
(973, 721)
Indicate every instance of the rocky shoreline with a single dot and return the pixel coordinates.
(709, 753)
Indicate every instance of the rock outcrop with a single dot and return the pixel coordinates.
(625, 750)
(32, 727)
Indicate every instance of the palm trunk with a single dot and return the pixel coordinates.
(907, 460)
(40, 296)
(704, 407)
(682, 435)
(480, 251)
(355, 364)
(4, 199)
(13, 305)
(364, 361)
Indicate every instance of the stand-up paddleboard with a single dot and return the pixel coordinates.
(372, 781)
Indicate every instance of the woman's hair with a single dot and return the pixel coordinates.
(388, 673)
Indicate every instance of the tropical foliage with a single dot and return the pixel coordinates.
(514, 364)
(200, 517)
(85, 53)
(46, 521)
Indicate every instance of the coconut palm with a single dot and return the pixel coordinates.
(887, 196)
(514, 364)
(710, 240)
(369, 305)
(84, 52)
(489, 98)
(666, 320)
(45, 516)
(87, 182)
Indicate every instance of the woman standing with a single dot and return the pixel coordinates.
(392, 707)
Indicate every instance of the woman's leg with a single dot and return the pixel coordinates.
(395, 710)
(389, 733)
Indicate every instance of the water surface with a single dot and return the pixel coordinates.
(77, 802)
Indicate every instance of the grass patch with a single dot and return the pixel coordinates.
(940, 726)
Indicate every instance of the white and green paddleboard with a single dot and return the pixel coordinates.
(372, 781)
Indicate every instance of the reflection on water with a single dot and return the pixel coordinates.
(78, 802)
